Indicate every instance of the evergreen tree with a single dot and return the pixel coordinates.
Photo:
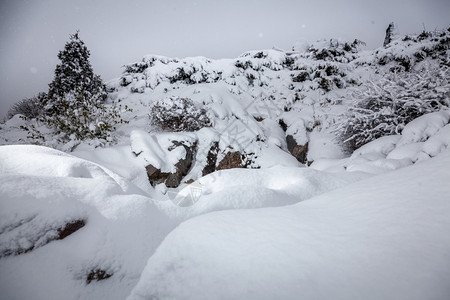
(73, 75)
(74, 107)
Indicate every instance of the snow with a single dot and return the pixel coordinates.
(380, 238)
(275, 186)
(154, 149)
(382, 145)
(366, 225)
(425, 126)
(323, 145)
(40, 190)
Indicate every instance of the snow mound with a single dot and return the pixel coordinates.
(66, 223)
(252, 188)
(380, 238)
(426, 136)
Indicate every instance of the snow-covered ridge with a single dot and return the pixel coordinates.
(404, 52)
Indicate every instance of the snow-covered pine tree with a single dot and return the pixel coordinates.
(74, 107)
(75, 73)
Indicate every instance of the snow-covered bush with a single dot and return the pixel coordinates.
(83, 118)
(178, 114)
(385, 106)
(335, 50)
(30, 108)
(403, 54)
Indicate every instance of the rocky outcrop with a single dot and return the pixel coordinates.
(182, 167)
(97, 275)
(300, 152)
(155, 176)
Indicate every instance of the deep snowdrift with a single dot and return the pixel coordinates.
(41, 190)
(72, 229)
(381, 238)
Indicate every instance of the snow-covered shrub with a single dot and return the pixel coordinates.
(82, 118)
(178, 114)
(335, 50)
(30, 108)
(385, 106)
(403, 54)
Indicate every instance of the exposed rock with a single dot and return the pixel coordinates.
(155, 176)
(282, 124)
(298, 151)
(173, 180)
(183, 166)
(97, 275)
(211, 159)
(70, 228)
(40, 238)
(389, 34)
(231, 160)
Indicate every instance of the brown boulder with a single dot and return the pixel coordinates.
(231, 160)
(155, 176)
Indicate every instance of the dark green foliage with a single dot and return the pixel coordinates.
(83, 118)
(243, 64)
(259, 55)
(336, 51)
(300, 77)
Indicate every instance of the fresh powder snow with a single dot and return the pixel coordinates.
(231, 179)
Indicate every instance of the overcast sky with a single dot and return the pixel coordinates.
(119, 32)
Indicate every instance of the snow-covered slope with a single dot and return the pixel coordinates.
(71, 229)
(65, 221)
(381, 238)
